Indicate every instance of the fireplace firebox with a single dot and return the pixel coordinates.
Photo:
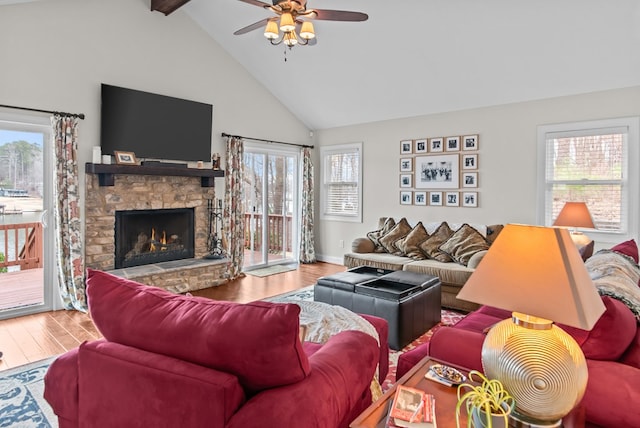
(153, 236)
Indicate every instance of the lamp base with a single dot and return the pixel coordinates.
(517, 420)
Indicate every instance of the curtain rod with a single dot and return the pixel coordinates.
(61, 113)
(224, 134)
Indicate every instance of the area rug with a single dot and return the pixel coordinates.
(271, 270)
(447, 317)
(21, 397)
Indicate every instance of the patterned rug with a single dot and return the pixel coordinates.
(21, 402)
(447, 318)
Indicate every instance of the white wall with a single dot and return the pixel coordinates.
(507, 160)
(54, 54)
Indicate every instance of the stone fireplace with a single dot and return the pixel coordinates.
(161, 213)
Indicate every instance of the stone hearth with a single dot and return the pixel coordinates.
(135, 191)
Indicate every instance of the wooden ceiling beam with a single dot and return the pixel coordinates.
(166, 6)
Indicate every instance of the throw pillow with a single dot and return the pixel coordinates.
(377, 234)
(628, 248)
(464, 243)
(258, 342)
(431, 247)
(492, 232)
(400, 230)
(586, 251)
(410, 244)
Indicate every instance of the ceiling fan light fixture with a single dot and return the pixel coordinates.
(307, 32)
(271, 32)
(286, 23)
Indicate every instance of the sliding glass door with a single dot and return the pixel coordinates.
(271, 201)
(27, 279)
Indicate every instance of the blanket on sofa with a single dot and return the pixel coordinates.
(322, 321)
(616, 276)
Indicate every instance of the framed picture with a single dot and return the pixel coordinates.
(469, 179)
(405, 180)
(470, 199)
(451, 199)
(436, 145)
(125, 158)
(406, 198)
(469, 161)
(435, 198)
(406, 147)
(437, 172)
(420, 198)
(406, 164)
(421, 146)
(470, 142)
(452, 144)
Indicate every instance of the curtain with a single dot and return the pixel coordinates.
(234, 205)
(69, 256)
(307, 241)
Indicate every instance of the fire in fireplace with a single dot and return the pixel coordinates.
(152, 236)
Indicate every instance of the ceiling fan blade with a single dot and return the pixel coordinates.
(257, 3)
(340, 15)
(254, 26)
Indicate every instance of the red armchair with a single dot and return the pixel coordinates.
(168, 360)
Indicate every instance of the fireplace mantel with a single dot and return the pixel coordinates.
(106, 173)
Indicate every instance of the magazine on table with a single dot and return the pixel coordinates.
(412, 408)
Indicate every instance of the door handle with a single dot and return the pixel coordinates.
(43, 219)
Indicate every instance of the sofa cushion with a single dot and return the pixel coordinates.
(410, 244)
(376, 260)
(628, 248)
(258, 342)
(399, 231)
(377, 234)
(450, 274)
(463, 244)
(431, 247)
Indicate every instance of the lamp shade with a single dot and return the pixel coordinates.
(271, 32)
(286, 22)
(536, 271)
(575, 214)
(307, 32)
(290, 38)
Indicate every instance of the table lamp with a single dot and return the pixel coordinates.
(574, 215)
(537, 273)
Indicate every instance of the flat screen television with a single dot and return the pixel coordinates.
(154, 126)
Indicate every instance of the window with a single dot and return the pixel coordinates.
(589, 162)
(341, 192)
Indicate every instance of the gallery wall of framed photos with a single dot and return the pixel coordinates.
(440, 171)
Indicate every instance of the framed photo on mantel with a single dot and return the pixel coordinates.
(126, 158)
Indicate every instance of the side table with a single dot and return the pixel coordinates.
(375, 416)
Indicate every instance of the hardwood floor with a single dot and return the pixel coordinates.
(34, 337)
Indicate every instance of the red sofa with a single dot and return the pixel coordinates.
(612, 350)
(168, 360)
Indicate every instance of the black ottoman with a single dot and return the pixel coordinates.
(409, 301)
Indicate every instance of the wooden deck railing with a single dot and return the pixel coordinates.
(277, 226)
(26, 245)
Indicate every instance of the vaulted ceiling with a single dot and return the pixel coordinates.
(416, 57)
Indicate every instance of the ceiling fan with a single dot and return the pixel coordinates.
(295, 21)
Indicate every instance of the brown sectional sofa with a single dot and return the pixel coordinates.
(367, 251)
